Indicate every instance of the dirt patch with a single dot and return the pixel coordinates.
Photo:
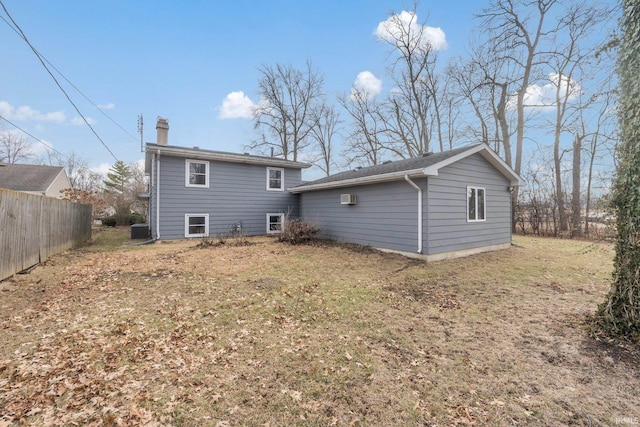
(326, 334)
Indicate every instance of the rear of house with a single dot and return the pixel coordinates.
(198, 193)
(440, 205)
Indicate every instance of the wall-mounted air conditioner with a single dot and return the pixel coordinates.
(348, 199)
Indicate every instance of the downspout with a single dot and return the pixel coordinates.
(413, 184)
(158, 195)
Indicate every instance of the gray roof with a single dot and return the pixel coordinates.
(425, 165)
(421, 162)
(27, 177)
(198, 153)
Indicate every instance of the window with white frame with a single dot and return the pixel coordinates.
(196, 225)
(275, 223)
(197, 173)
(275, 179)
(475, 204)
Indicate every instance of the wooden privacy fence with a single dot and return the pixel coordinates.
(33, 228)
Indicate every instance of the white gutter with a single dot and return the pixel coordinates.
(158, 195)
(413, 184)
(371, 179)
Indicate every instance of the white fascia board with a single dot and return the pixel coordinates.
(485, 152)
(373, 179)
(226, 157)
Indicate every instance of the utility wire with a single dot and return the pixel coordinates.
(72, 85)
(49, 147)
(24, 37)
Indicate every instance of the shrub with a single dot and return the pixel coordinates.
(113, 220)
(297, 231)
(109, 221)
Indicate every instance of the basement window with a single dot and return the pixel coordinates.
(197, 173)
(275, 223)
(475, 204)
(196, 225)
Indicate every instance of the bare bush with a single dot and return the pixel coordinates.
(297, 232)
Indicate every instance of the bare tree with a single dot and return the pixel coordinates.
(285, 114)
(14, 148)
(518, 28)
(327, 121)
(413, 108)
(516, 31)
(483, 81)
(364, 141)
(571, 62)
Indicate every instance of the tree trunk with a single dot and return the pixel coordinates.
(576, 206)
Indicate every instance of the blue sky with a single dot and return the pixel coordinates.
(180, 60)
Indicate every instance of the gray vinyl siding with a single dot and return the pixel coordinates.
(385, 215)
(237, 193)
(448, 229)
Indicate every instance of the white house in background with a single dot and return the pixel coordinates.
(34, 179)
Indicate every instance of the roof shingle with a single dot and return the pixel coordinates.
(27, 177)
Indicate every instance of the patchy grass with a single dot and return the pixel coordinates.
(105, 238)
(328, 334)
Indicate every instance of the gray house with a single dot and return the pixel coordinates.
(437, 206)
(196, 193)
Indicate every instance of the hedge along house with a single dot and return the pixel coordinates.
(437, 206)
(199, 193)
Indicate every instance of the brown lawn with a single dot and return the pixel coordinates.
(270, 334)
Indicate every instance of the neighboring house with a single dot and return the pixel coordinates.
(197, 193)
(440, 205)
(35, 179)
(437, 206)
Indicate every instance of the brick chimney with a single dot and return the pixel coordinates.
(163, 131)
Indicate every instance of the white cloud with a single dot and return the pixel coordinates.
(367, 84)
(25, 113)
(41, 149)
(109, 106)
(102, 169)
(543, 96)
(237, 105)
(78, 121)
(6, 110)
(398, 26)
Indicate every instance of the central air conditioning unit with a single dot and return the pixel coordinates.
(348, 199)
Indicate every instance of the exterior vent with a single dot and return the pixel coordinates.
(348, 199)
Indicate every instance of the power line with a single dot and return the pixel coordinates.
(72, 85)
(34, 137)
(24, 37)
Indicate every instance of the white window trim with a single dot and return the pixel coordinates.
(187, 162)
(281, 215)
(484, 206)
(186, 225)
(269, 169)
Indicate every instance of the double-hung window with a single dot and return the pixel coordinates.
(197, 173)
(275, 223)
(196, 225)
(476, 207)
(275, 179)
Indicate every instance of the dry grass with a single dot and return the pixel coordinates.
(269, 334)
